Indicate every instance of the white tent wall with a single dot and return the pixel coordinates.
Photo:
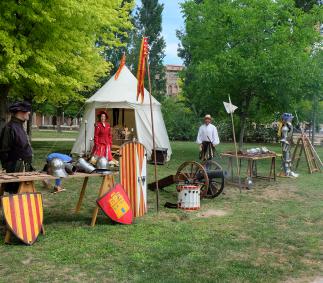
(89, 116)
(144, 129)
(121, 93)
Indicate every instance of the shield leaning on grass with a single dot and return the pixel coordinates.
(24, 215)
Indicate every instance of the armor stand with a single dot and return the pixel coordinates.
(304, 145)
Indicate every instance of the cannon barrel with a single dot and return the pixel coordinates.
(212, 174)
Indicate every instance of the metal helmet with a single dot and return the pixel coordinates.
(102, 163)
(287, 117)
(249, 183)
(70, 168)
(56, 168)
(83, 166)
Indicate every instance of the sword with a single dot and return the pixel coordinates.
(216, 152)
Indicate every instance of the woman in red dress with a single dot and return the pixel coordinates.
(102, 137)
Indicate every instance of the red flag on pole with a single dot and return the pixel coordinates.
(142, 69)
(122, 63)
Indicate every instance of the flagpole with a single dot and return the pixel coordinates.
(153, 135)
(235, 144)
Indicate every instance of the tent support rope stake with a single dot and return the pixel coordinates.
(153, 136)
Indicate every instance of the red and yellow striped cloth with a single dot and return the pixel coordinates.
(122, 63)
(142, 69)
(133, 176)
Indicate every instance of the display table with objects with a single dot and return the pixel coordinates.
(251, 171)
(27, 185)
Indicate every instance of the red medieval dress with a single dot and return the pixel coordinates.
(102, 140)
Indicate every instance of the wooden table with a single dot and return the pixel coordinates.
(252, 165)
(27, 185)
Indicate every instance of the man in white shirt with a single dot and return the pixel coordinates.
(207, 138)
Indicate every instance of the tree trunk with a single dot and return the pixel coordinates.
(4, 90)
(314, 119)
(244, 114)
(30, 121)
(243, 118)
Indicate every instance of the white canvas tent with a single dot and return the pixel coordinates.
(121, 94)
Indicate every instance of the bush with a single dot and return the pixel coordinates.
(260, 133)
(181, 123)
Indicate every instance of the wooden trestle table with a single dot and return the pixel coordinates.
(252, 165)
(27, 185)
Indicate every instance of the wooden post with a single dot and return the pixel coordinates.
(153, 136)
(85, 137)
(235, 145)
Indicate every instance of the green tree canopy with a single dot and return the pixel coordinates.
(49, 50)
(258, 51)
(306, 5)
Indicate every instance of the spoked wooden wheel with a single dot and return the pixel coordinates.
(216, 179)
(192, 173)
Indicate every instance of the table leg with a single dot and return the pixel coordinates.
(1, 193)
(272, 169)
(274, 162)
(79, 203)
(26, 187)
(106, 185)
(7, 237)
(255, 168)
(249, 168)
(231, 167)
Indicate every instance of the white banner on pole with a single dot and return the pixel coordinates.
(229, 107)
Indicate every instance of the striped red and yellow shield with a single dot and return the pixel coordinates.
(133, 176)
(24, 215)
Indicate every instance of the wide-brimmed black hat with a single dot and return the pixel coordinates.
(20, 106)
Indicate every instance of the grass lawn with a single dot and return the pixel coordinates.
(273, 233)
(53, 134)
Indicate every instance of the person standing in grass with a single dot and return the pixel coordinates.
(102, 137)
(207, 138)
(15, 150)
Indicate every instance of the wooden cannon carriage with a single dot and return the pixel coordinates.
(208, 176)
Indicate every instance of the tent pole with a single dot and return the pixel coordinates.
(153, 136)
(85, 136)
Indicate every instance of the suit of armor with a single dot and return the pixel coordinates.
(286, 142)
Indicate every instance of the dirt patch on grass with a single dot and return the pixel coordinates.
(279, 191)
(212, 213)
(307, 279)
(275, 256)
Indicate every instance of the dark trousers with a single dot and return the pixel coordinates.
(207, 151)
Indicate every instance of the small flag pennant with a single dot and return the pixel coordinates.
(229, 107)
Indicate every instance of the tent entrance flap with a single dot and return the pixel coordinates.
(122, 122)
